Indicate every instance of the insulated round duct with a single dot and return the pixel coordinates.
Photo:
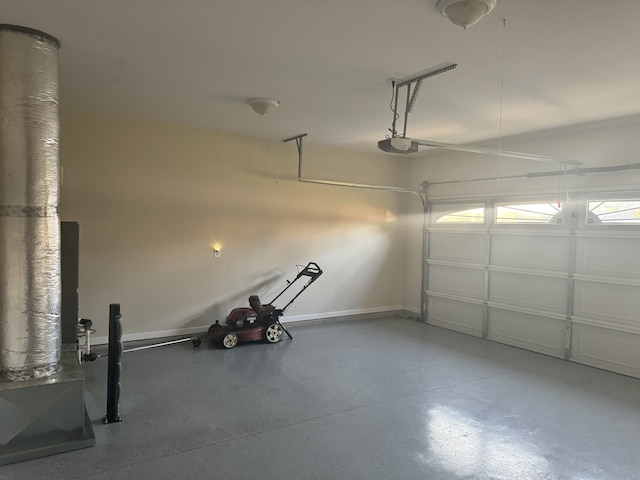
(30, 293)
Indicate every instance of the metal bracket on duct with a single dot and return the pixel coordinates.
(403, 144)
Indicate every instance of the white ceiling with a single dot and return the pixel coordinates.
(195, 62)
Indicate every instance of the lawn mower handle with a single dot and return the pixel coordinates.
(311, 270)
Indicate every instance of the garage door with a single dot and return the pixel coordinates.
(555, 277)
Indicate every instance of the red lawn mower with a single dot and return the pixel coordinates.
(260, 322)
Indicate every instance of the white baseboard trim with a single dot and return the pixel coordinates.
(345, 316)
(294, 320)
(412, 310)
(340, 313)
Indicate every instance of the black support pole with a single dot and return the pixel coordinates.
(114, 367)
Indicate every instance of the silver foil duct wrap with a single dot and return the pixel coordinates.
(30, 290)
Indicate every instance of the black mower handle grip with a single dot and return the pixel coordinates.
(312, 270)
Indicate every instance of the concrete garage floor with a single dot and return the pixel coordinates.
(386, 398)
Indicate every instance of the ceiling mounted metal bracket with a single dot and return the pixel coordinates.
(413, 84)
(401, 144)
(298, 139)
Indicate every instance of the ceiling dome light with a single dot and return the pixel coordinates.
(465, 12)
(263, 106)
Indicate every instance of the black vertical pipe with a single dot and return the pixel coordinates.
(114, 367)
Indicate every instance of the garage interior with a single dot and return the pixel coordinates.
(478, 315)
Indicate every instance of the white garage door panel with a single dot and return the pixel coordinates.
(460, 247)
(458, 281)
(459, 316)
(529, 291)
(530, 251)
(608, 349)
(618, 303)
(533, 332)
(568, 290)
(619, 257)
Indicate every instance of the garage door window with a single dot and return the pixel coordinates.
(613, 212)
(529, 213)
(458, 214)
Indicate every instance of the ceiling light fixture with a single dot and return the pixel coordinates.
(263, 106)
(465, 12)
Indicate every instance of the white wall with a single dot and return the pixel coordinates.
(152, 199)
(598, 144)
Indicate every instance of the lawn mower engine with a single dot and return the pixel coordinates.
(242, 318)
